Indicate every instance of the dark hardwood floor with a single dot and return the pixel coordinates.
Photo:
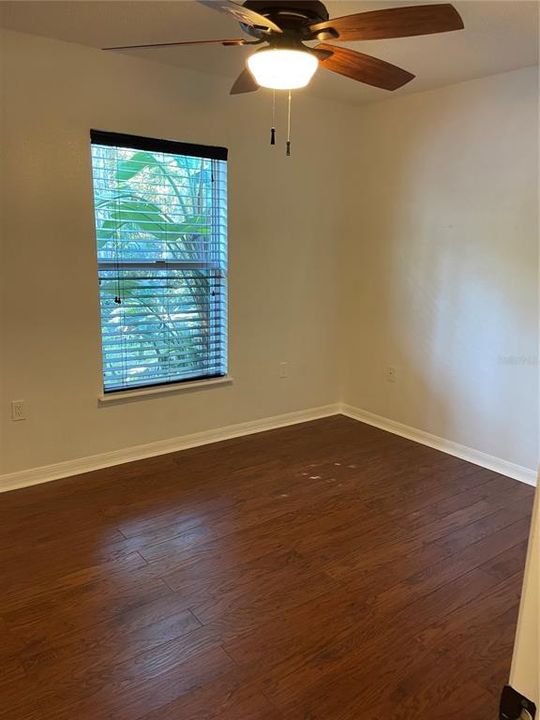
(323, 571)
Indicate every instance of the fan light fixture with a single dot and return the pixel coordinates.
(282, 69)
(284, 26)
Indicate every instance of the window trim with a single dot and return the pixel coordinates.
(118, 396)
(138, 142)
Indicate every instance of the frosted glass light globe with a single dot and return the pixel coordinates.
(282, 69)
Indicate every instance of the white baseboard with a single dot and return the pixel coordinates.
(477, 457)
(46, 473)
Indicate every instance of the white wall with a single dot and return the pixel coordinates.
(402, 233)
(442, 264)
(284, 218)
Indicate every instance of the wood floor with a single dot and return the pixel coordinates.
(319, 572)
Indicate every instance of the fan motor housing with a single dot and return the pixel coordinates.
(293, 16)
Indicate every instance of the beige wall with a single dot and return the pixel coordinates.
(284, 218)
(402, 233)
(442, 264)
(525, 673)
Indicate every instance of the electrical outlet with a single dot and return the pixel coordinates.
(390, 373)
(283, 370)
(18, 411)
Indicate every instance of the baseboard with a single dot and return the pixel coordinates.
(67, 468)
(46, 473)
(477, 457)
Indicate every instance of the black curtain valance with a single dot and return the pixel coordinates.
(137, 142)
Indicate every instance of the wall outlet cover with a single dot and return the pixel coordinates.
(18, 410)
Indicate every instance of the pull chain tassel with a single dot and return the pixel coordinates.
(273, 130)
(288, 145)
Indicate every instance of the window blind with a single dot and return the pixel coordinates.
(161, 231)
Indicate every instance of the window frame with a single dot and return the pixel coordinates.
(138, 143)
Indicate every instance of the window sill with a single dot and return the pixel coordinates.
(126, 395)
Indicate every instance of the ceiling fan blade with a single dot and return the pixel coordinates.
(364, 68)
(244, 83)
(242, 14)
(394, 22)
(238, 41)
(320, 53)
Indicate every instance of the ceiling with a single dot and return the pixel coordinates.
(499, 36)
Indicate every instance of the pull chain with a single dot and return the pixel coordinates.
(118, 296)
(289, 126)
(273, 130)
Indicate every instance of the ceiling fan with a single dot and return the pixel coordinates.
(283, 27)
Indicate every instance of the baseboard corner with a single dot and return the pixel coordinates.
(477, 457)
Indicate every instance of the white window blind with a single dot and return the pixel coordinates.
(161, 230)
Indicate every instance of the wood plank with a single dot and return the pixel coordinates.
(326, 570)
(131, 690)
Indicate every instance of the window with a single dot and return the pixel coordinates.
(161, 230)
